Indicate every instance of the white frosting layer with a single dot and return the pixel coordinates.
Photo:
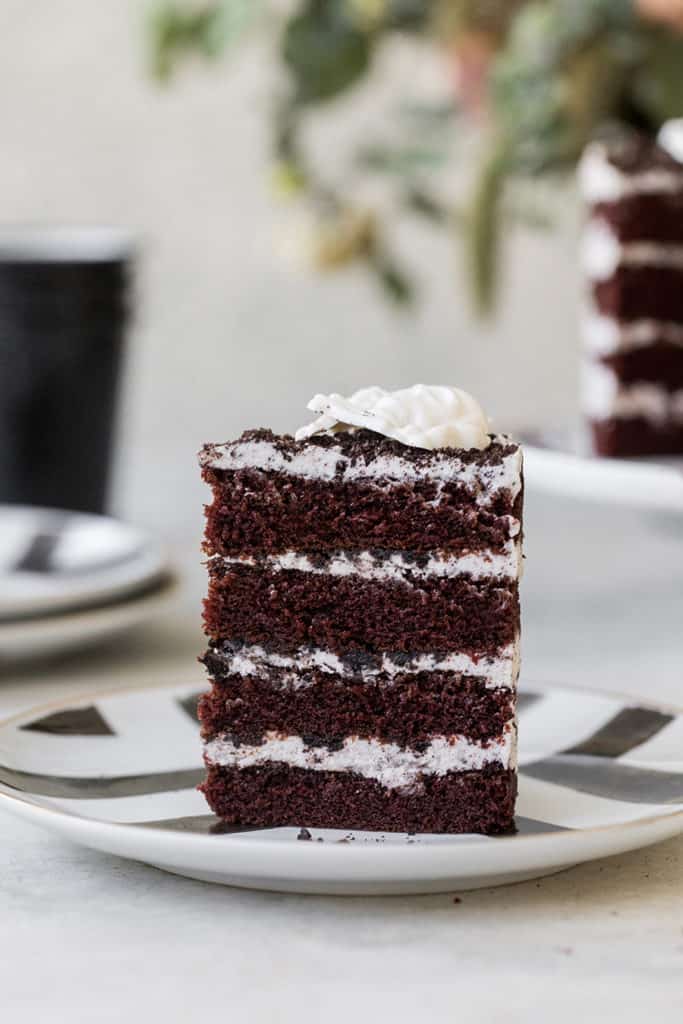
(388, 763)
(479, 565)
(670, 138)
(602, 253)
(253, 660)
(424, 416)
(604, 335)
(330, 464)
(601, 182)
(604, 396)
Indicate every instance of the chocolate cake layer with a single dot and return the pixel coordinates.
(642, 292)
(644, 217)
(636, 436)
(406, 710)
(254, 512)
(661, 363)
(345, 613)
(276, 795)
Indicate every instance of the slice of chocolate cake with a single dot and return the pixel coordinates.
(633, 257)
(363, 618)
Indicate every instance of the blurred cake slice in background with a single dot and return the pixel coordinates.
(632, 380)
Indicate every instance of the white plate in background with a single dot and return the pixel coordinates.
(559, 463)
(77, 630)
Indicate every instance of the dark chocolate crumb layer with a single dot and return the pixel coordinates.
(254, 512)
(645, 217)
(660, 363)
(409, 712)
(293, 608)
(641, 293)
(637, 436)
(277, 795)
(368, 446)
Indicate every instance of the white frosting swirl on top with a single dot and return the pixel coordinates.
(670, 138)
(423, 416)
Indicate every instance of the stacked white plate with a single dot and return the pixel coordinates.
(69, 579)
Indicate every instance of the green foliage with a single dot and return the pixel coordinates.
(564, 69)
(177, 31)
(657, 86)
(483, 229)
(567, 70)
(395, 282)
(324, 50)
(422, 203)
(398, 159)
(490, 17)
(561, 73)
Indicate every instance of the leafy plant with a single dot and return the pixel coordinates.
(178, 30)
(326, 50)
(560, 71)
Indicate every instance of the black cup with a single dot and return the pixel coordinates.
(64, 308)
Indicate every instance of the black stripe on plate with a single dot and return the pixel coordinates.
(189, 704)
(98, 787)
(601, 776)
(72, 722)
(533, 827)
(628, 729)
(204, 824)
(40, 549)
(207, 824)
(526, 699)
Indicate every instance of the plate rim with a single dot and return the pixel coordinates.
(162, 586)
(612, 471)
(42, 608)
(166, 838)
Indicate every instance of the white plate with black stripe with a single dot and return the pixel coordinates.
(54, 562)
(599, 775)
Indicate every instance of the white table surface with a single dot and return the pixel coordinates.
(90, 938)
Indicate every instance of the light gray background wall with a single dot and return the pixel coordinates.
(228, 336)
